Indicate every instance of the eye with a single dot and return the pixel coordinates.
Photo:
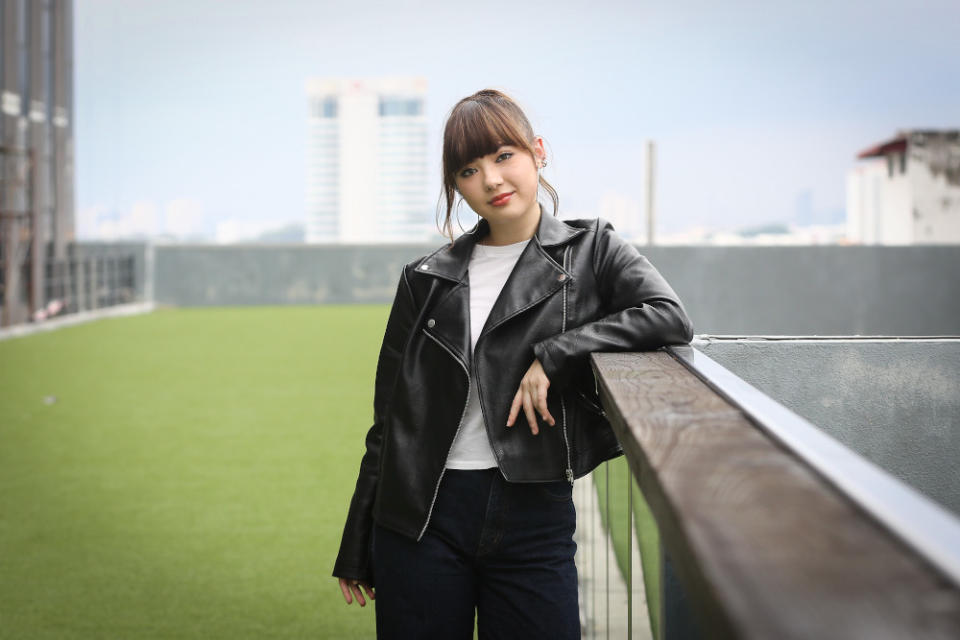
(465, 173)
(505, 153)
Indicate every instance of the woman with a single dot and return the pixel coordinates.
(485, 405)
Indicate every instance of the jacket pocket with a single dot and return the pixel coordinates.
(589, 404)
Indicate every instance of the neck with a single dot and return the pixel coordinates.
(513, 231)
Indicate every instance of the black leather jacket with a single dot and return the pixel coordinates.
(577, 288)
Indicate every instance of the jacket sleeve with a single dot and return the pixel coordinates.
(353, 560)
(642, 312)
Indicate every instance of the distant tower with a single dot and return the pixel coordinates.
(803, 208)
(367, 160)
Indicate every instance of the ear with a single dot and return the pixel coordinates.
(539, 150)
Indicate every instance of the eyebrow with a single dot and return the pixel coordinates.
(472, 160)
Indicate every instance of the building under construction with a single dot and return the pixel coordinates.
(43, 272)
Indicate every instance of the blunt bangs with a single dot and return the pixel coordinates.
(478, 129)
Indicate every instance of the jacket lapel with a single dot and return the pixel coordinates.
(535, 277)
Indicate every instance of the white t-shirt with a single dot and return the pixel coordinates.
(488, 271)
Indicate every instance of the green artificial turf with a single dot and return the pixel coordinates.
(184, 474)
(648, 536)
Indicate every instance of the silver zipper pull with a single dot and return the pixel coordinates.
(570, 476)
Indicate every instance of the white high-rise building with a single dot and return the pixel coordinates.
(367, 160)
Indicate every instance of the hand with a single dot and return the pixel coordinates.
(532, 394)
(350, 585)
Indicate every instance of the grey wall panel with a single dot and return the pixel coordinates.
(816, 290)
(264, 274)
(894, 402)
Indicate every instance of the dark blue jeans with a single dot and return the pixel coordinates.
(503, 549)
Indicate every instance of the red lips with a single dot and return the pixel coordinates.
(501, 199)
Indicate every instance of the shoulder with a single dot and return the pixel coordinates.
(594, 225)
(578, 231)
(597, 233)
(606, 246)
(411, 267)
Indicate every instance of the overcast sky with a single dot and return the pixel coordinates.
(195, 110)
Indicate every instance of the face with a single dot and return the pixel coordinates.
(508, 170)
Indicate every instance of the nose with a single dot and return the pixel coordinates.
(492, 179)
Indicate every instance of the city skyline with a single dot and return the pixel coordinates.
(188, 108)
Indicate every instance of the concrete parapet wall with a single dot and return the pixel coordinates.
(811, 290)
(293, 274)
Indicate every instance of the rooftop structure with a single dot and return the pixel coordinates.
(907, 190)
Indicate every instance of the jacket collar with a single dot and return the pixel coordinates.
(451, 262)
(536, 277)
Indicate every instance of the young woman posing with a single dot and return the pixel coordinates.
(485, 404)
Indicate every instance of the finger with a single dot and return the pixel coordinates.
(346, 591)
(371, 593)
(514, 408)
(547, 416)
(358, 594)
(537, 398)
(531, 417)
(542, 404)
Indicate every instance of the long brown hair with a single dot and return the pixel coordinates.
(478, 125)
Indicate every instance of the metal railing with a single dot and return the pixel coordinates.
(92, 276)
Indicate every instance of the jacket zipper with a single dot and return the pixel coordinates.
(563, 406)
(463, 413)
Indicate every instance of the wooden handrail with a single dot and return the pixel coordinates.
(763, 544)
